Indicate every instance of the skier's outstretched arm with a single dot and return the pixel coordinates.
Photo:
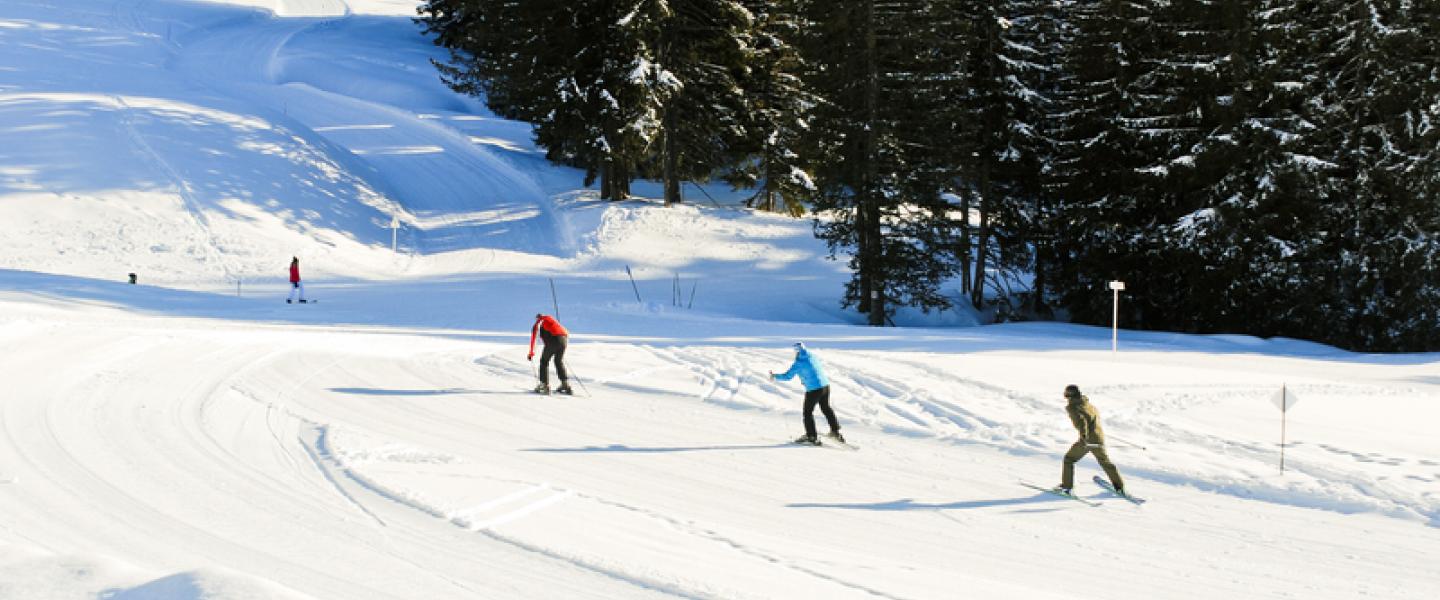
(790, 374)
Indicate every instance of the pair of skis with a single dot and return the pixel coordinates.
(829, 442)
(1071, 495)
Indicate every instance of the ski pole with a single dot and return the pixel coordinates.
(580, 381)
(1131, 444)
(554, 299)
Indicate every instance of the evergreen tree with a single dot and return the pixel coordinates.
(702, 49)
(1000, 144)
(1045, 30)
(859, 63)
(1378, 110)
(583, 72)
(778, 105)
(1099, 154)
(1252, 248)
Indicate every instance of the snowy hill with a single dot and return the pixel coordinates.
(194, 437)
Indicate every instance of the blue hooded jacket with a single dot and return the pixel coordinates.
(808, 368)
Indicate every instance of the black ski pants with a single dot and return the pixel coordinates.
(822, 398)
(554, 348)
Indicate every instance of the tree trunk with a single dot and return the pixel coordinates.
(862, 247)
(767, 173)
(977, 291)
(607, 174)
(1042, 256)
(614, 181)
(877, 276)
(965, 259)
(870, 199)
(671, 160)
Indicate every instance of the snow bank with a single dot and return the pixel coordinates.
(34, 575)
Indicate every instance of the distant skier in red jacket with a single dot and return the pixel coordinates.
(295, 285)
(556, 339)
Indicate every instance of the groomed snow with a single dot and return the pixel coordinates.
(193, 437)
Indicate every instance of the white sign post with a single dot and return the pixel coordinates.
(1116, 287)
(394, 231)
(1284, 400)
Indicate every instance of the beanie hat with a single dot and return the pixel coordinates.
(1072, 391)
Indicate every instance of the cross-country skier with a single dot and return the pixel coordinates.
(817, 392)
(556, 339)
(1092, 440)
(295, 285)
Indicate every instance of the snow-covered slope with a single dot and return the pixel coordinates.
(206, 441)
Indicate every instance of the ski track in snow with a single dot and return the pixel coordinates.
(922, 413)
(365, 454)
(361, 476)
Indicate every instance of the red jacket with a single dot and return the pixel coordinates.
(294, 272)
(551, 326)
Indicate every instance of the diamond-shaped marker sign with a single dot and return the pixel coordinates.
(1285, 399)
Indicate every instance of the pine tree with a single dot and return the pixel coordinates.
(701, 52)
(999, 142)
(778, 105)
(864, 131)
(1045, 30)
(1378, 109)
(1099, 156)
(581, 71)
(1250, 247)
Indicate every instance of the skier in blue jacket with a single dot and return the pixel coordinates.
(817, 391)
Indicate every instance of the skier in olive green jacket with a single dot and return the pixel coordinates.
(1092, 441)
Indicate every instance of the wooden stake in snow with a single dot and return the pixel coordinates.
(632, 284)
(1284, 399)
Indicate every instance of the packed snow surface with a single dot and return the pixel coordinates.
(194, 437)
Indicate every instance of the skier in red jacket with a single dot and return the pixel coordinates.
(556, 339)
(295, 285)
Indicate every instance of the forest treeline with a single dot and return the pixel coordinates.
(1268, 167)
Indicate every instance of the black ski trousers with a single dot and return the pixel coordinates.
(554, 348)
(822, 398)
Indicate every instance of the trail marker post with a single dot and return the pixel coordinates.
(1116, 287)
(1284, 400)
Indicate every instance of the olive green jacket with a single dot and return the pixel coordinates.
(1086, 420)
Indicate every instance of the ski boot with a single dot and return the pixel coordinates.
(565, 389)
(808, 440)
(1064, 491)
(288, 301)
(302, 301)
(543, 388)
(835, 435)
